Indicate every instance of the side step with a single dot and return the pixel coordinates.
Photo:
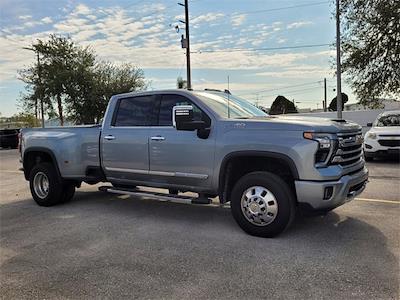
(156, 196)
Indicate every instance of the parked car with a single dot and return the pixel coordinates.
(207, 142)
(9, 138)
(383, 139)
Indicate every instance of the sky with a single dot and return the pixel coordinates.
(144, 33)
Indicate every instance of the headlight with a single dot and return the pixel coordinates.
(325, 147)
(324, 141)
(371, 135)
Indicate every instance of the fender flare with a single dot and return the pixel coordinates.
(43, 150)
(252, 153)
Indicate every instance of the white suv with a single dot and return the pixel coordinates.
(383, 139)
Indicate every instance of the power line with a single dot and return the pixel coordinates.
(280, 8)
(261, 49)
(281, 88)
(300, 91)
(294, 92)
(271, 9)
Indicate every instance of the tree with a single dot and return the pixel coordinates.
(333, 105)
(90, 101)
(21, 120)
(180, 83)
(72, 81)
(61, 64)
(282, 105)
(371, 47)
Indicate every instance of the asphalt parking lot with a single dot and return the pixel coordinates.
(104, 246)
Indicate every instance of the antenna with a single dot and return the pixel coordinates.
(229, 108)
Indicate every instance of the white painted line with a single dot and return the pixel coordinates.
(377, 200)
(9, 171)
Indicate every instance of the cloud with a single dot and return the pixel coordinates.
(207, 18)
(298, 24)
(46, 20)
(238, 20)
(81, 9)
(281, 40)
(25, 17)
(118, 35)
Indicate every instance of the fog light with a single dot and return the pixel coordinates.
(368, 146)
(328, 192)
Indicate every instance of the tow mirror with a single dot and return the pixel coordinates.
(182, 118)
(369, 124)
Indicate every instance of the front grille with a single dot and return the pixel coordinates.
(349, 149)
(389, 143)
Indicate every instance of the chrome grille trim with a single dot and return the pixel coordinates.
(349, 149)
(339, 159)
(341, 134)
(343, 152)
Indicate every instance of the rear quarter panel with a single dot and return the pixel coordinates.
(75, 148)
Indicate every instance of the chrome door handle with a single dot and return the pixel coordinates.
(109, 137)
(157, 138)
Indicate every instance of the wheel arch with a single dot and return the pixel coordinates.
(226, 174)
(35, 155)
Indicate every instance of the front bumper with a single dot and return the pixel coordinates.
(311, 193)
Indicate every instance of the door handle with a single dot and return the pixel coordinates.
(109, 137)
(157, 138)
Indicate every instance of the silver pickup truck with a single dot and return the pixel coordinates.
(206, 142)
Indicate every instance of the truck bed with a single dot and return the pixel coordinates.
(75, 148)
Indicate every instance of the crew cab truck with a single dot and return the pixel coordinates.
(206, 142)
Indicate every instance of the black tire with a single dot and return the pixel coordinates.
(55, 185)
(284, 198)
(68, 192)
(369, 158)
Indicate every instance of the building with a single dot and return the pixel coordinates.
(386, 104)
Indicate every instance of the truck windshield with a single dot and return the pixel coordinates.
(388, 120)
(229, 106)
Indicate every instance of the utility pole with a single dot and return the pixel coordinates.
(187, 44)
(40, 88)
(325, 104)
(338, 64)
(39, 83)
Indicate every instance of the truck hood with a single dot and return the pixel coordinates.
(296, 123)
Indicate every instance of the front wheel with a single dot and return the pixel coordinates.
(262, 204)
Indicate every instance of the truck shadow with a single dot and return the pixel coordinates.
(96, 227)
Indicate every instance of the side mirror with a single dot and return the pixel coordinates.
(182, 118)
(369, 124)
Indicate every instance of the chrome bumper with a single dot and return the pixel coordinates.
(344, 190)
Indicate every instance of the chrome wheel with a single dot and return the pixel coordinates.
(259, 206)
(41, 185)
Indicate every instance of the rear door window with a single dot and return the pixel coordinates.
(136, 111)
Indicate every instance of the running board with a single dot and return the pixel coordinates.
(155, 196)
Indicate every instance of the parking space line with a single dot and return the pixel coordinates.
(10, 171)
(377, 200)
